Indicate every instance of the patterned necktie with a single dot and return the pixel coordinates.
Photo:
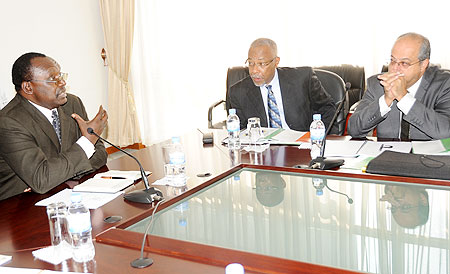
(56, 124)
(274, 113)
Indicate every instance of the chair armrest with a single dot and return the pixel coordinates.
(210, 110)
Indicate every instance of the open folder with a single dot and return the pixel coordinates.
(111, 181)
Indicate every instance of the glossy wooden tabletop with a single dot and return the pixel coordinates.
(25, 226)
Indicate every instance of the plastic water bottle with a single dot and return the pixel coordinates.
(177, 162)
(317, 135)
(80, 230)
(318, 184)
(233, 127)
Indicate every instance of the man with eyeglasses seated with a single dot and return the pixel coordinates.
(280, 97)
(44, 140)
(409, 205)
(409, 102)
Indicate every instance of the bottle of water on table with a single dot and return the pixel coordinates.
(317, 135)
(233, 128)
(80, 230)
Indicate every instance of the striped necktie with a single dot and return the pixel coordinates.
(274, 113)
(56, 124)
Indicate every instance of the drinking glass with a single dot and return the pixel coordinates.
(254, 130)
(57, 218)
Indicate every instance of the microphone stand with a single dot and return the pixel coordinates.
(142, 262)
(349, 200)
(318, 185)
(147, 195)
(321, 162)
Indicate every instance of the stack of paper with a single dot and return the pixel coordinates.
(91, 200)
(111, 181)
(437, 147)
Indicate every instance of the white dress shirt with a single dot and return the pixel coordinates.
(83, 142)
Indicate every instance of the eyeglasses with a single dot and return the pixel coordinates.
(403, 208)
(259, 64)
(57, 79)
(402, 64)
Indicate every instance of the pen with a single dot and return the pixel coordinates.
(365, 141)
(112, 177)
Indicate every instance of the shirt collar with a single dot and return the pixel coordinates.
(47, 112)
(274, 79)
(413, 89)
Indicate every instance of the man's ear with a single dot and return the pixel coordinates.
(27, 87)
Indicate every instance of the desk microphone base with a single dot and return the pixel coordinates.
(141, 262)
(144, 196)
(324, 164)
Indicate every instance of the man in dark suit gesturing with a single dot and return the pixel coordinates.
(280, 97)
(44, 140)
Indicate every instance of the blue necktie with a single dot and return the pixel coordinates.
(56, 124)
(274, 113)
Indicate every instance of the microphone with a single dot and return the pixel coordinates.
(321, 162)
(142, 262)
(145, 196)
(319, 183)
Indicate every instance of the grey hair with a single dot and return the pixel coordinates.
(425, 49)
(265, 42)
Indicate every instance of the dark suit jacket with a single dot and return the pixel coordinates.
(302, 93)
(429, 116)
(30, 153)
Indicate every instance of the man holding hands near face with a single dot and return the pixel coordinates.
(409, 102)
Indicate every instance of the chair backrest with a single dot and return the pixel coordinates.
(234, 75)
(354, 75)
(331, 82)
(335, 86)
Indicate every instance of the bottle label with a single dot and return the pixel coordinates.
(177, 158)
(317, 134)
(79, 223)
(233, 126)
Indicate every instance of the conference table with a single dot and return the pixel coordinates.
(255, 208)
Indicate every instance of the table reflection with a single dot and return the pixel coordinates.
(354, 224)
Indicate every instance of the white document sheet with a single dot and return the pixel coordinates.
(90, 200)
(376, 148)
(111, 181)
(336, 148)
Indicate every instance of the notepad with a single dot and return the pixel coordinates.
(111, 181)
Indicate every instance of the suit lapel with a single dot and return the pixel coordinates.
(286, 90)
(40, 120)
(424, 84)
(256, 100)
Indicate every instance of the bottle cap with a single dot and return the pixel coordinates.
(232, 111)
(317, 116)
(75, 197)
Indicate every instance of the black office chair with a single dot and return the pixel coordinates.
(331, 82)
(234, 75)
(355, 75)
(336, 87)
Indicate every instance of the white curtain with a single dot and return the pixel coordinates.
(118, 29)
(182, 49)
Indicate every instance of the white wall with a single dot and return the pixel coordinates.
(69, 31)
